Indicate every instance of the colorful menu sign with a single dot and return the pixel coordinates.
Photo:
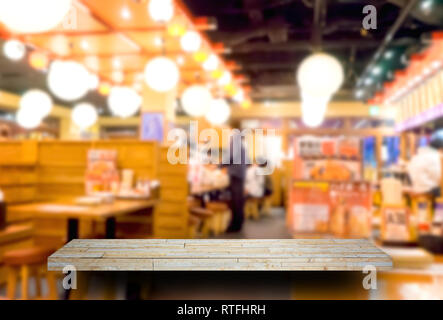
(101, 173)
(396, 224)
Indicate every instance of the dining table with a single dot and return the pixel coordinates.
(71, 211)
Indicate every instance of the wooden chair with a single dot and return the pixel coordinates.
(193, 226)
(252, 209)
(266, 205)
(222, 216)
(206, 217)
(27, 262)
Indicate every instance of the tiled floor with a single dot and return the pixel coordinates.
(268, 227)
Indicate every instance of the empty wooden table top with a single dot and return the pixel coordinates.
(223, 255)
(67, 209)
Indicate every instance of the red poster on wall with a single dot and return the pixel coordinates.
(309, 207)
(351, 209)
(342, 209)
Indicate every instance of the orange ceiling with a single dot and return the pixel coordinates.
(106, 42)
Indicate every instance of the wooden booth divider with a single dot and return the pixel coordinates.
(171, 215)
(49, 170)
(18, 174)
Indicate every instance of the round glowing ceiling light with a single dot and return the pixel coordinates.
(200, 56)
(158, 41)
(389, 54)
(161, 10)
(180, 60)
(126, 13)
(225, 78)
(68, 80)
(239, 96)
(14, 50)
(216, 74)
(191, 41)
(320, 100)
(38, 60)
(84, 115)
(161, 74)
(104, 89)
(230, 89)
(124, 102)
(139, 77)
(219, 112)
(117, 76)
(137, 86)
(359, 93)
(211, 63)
(312, 121)
(377, 71)
(92, 63)
(116, 63)
(313, 115)
(27, 120)
(436, 64)
(314, 109)
(320, 74)
(368, 81)
(196, 100)
(30, 16)
(37, 103)
(60, 45)
(246, 104)
(176, 30)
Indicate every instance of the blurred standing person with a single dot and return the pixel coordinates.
(268, 190)
(236, 162)
(255, 182)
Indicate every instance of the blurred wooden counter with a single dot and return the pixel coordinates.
(67, 210)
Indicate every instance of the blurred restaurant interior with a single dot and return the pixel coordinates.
(115, 116)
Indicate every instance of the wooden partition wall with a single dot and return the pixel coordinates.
(18, 171)
(171, 214)
(43, 171)
(62, 165)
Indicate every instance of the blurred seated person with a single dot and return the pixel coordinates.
(424, 169)
(255, 182)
